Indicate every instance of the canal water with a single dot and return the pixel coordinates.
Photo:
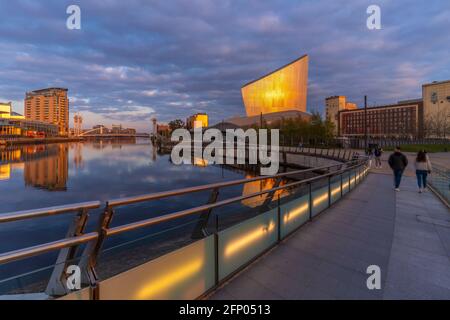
(37, 176)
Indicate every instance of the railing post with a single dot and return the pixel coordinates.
(216, 252)
(200, 228)
(57, 284)
(91, 252)
(329, 191)
(279, 218)
(310, 201)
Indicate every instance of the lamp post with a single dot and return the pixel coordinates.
(365, 123)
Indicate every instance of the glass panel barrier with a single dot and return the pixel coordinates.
(319, 200)
(335, 188)
(345, 183)
(294, 214)
(182, 274)
(245, 241)
(352, 179)
(440, 181)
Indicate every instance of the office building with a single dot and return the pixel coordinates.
(401, 120)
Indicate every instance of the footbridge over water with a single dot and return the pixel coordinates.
(308, 238)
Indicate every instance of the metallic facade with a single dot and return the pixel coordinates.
(281, 90)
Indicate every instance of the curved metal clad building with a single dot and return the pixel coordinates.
(281, 90)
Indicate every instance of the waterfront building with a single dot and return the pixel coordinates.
(436, 105)
(198, 120)
(163, 130)
(49, 105)
(284, 89)
(401, 120)
(6, 111)
(335, 104)
(13, 124)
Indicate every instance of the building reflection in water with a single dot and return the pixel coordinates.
(10, 160)
(78, 154)
(258, 186)
(49, 171)
(44, 166)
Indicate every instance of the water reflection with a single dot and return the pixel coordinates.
(47, 175)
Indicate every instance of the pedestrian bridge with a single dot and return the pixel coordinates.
(405, 233)
(310, 237)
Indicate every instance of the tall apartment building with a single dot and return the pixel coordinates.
(49, 105)
(335, 104)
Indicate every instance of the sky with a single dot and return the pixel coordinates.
(138, 59)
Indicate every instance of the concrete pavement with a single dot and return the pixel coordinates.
(405, 233)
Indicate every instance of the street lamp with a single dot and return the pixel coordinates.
(365, 122)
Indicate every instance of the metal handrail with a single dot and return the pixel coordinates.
(165, 194)
(186, 212)
(49, 211)
(72, 241)
(46, 247)
(94, 240)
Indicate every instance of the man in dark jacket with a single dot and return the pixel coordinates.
(398, 162)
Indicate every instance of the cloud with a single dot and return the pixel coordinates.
(138, 59)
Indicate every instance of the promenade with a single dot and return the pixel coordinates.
(405, 233)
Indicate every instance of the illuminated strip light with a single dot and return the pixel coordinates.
(320, 199)
(248, 239)
(295, 213)
(345, 185)
(335, 191)
(170, 279)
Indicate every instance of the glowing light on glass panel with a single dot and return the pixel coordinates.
(170, 279)
(345, 185)
(320, 199)
(295, 213)
(335, 191)
(247, 239)
(282, 90)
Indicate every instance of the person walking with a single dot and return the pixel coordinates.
(423, 168)
(378, 152)
(398, 162)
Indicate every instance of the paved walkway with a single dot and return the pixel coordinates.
(441, 159)
(405, 233)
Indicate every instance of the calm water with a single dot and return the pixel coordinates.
(38, 176)
(47, 175)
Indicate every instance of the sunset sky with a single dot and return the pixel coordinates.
(133, 60)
